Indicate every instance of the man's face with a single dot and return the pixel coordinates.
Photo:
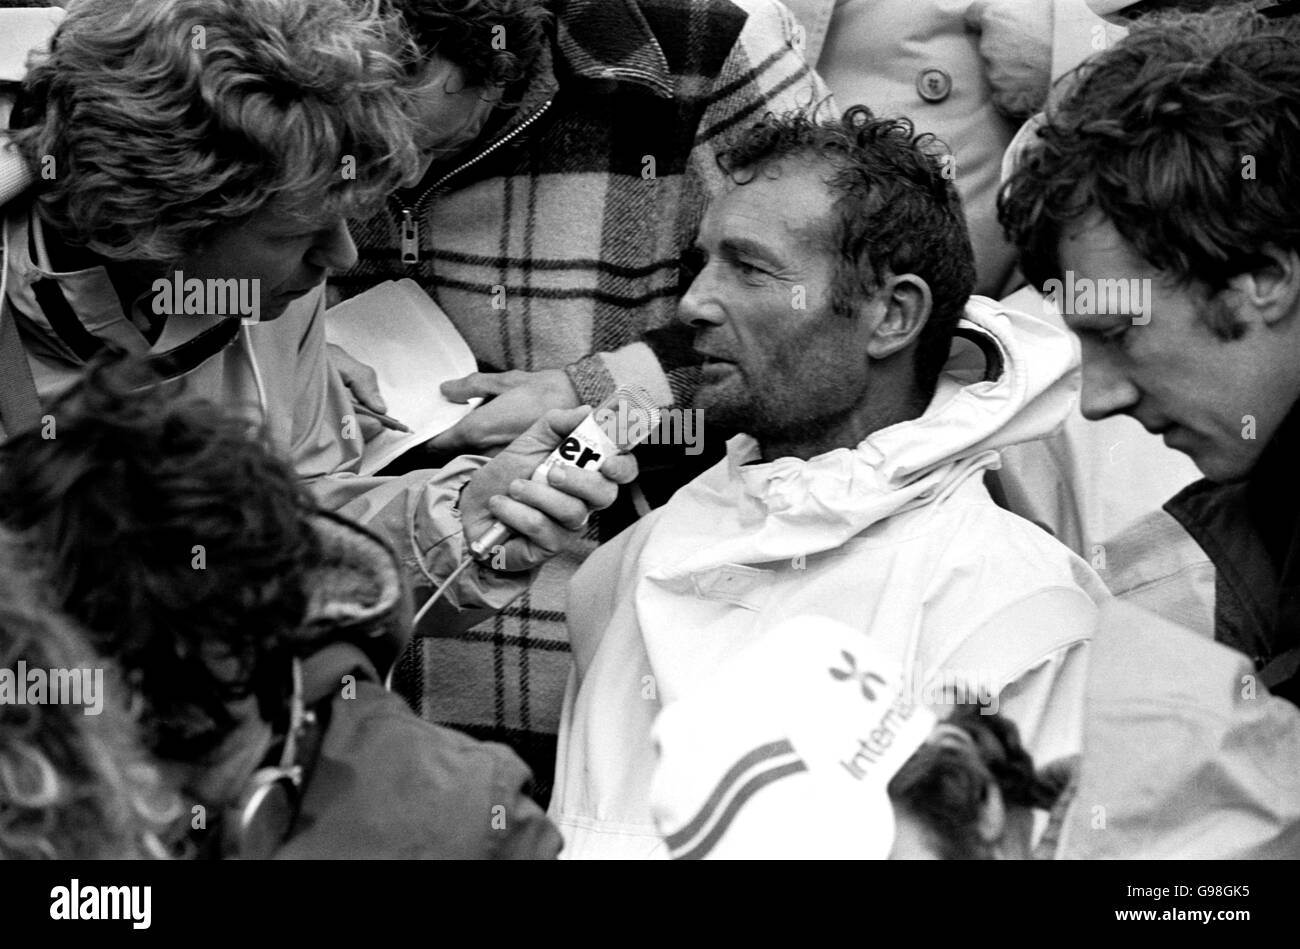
(779, 363)
(449, 114)
(1219, 401)
(286, 255)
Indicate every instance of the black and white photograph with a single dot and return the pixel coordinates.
(643, 430)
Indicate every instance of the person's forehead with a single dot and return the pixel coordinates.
(789, 200)
(1094, 248)
(1103, 280)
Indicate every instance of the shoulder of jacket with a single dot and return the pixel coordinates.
(375, 708)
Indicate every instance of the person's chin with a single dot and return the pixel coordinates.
(1220, 464)
(722, 407)
(279, 304)
(273, 312)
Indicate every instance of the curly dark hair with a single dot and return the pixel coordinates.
(1164, 7)
(947, 787)
(1158, 134)
(175, 538)
(895, 212)
(496, 42)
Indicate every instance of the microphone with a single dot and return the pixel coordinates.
(618, 424)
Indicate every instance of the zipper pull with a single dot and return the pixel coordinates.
(410, 237)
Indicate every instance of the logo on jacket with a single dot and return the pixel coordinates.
(861, 677)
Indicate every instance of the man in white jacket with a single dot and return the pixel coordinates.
(836, 269)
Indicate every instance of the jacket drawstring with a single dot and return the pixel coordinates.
(257, 373)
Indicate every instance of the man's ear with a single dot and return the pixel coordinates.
(906, 308)
(1270, 290)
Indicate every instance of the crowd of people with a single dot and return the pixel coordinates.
(919, 268)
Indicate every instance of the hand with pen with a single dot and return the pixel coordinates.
(367, 401)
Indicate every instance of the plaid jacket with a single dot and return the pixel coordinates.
(560, 247)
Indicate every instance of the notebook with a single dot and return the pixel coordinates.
(400, 332)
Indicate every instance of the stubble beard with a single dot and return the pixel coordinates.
(733, 408)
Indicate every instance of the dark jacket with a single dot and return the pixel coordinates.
(1251, 531)
(390, 785)
(380, 781)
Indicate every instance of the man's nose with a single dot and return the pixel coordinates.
(1107, 390)
(700, 307)
(334, 250)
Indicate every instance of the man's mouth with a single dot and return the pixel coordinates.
(1175, 436)
(1156, 428)
(294, 293)
(714, 366)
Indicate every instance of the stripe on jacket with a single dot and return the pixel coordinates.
(756, 769)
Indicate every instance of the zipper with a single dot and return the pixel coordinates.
(410, 220)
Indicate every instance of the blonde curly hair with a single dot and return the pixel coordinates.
(72, 785)
(165, 119)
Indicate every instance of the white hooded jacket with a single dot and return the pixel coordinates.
(896, 537)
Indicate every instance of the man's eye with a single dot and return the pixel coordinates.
(749, 270)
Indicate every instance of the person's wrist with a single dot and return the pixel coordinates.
(591, 381)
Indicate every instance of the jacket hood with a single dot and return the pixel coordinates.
(356, 593)
(789, 506)
(1030, 397)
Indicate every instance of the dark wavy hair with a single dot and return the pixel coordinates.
(894, 212)
(466, 32)
(175, 538)
(72, 785)
(1164, 7)
(1158, 133)
(946, 785)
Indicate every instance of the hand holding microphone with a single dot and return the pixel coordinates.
(518, 509)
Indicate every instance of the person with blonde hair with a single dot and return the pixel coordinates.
(195, 162)
(74, 782)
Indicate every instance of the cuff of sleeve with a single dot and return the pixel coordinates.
(595, 377)
(438, 543)
(590, 379)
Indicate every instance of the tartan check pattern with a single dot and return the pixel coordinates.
(561, 250)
